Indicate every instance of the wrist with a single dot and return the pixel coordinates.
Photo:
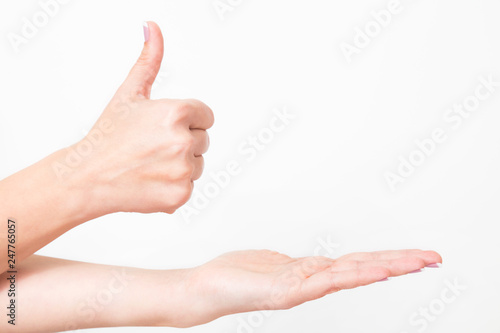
(74, 186)
(174, 300)
(44, 205)
(190, 301)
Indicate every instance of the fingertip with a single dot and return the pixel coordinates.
(143, 74)
(153, 38)
(145, 26)
(153, 29)
(435, 257)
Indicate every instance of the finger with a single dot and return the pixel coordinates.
(358, 277)
(142, 76)
(373, 271)
(364, 272)
(399, 266)
(328, 281)
(201, 141)
(199, 164)
(379, 255)
(429, 257)
(193, 113)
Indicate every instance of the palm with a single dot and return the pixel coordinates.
(263, 280)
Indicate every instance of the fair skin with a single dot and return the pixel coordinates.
(60, 295)
(143, 156)
(147, 156)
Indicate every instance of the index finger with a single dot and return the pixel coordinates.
(195, 114)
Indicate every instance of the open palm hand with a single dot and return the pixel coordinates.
(266, 280)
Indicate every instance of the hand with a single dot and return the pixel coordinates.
(112, 296)
(265, 280)
(143, 155)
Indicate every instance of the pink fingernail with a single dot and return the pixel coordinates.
(386, 279)
(146, 31)
(436, 265)
(415, 271)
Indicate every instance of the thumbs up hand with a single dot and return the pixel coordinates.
(152, 151)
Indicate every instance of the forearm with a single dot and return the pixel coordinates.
(43, 206)
(57, 295)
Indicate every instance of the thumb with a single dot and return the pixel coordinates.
(143, 74)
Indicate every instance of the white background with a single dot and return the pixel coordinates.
(322, 176)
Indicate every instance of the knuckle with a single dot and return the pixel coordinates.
(180, 112)
(188, 172)
(182, 195)
(210, 116)
(184, 107)
(184, 171)
(188, 141)
(198, 170)
(178, 149)
(183, 145)
(195, 103)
